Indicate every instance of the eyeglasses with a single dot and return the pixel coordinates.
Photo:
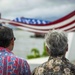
(14, 38)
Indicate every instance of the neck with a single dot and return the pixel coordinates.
(63, 56)
(9, 48)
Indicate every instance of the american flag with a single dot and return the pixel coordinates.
(66, 23)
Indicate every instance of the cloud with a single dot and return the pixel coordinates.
(42, 9)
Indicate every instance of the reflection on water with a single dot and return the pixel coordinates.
(24, 43)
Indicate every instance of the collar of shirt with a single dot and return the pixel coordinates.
(5, 49)
(58, 57)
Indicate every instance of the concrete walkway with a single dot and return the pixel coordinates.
(38, 60)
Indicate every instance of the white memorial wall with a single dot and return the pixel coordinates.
(71, 46)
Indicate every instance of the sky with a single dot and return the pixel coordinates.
(39, 9)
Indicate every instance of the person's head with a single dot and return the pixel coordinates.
(6, 37)
(56, 42)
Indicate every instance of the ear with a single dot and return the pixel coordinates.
(47, 50)
(11, 45)
(12, 41)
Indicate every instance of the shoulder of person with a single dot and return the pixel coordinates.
(38, 70)
(71, 66)
(19, 59)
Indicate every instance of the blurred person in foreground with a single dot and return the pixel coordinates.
(57, 45)
(9, 63)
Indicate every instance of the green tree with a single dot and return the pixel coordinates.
(35, 54)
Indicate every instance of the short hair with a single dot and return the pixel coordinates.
(56, 41)
(6, 34)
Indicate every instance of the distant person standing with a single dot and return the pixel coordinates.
(9, 63)
(57, 45)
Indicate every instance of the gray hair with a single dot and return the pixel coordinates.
(56, 41)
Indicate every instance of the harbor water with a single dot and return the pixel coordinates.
(24, 43)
